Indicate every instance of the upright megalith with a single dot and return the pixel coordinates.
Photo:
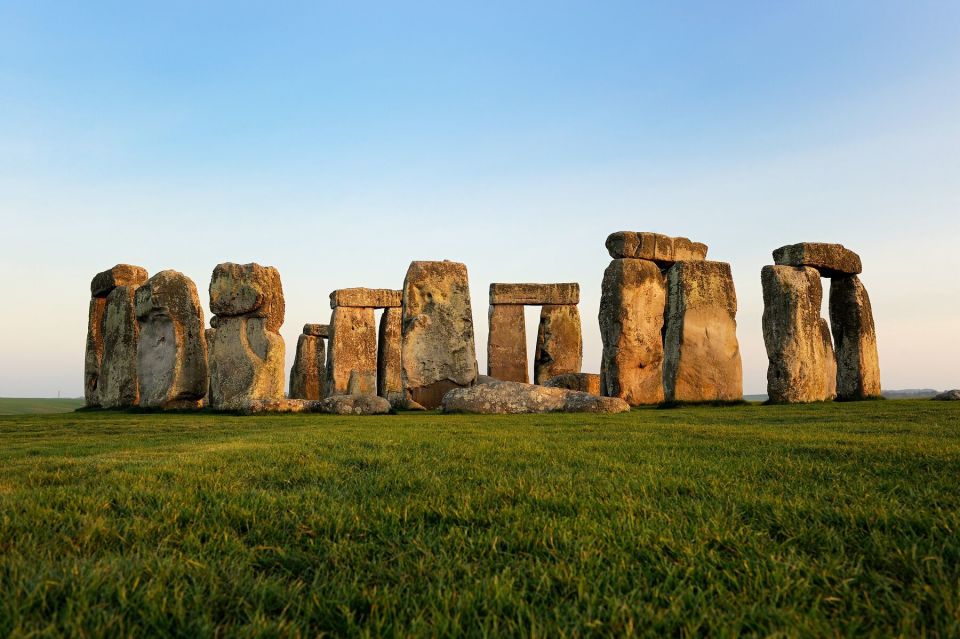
(246, 360)
(353, 337)
(559, 342)
(631, 322)
(172, 349)
(801, 366)
(389, 369)
(437, 352)
(855, 339)
(309, 372)
(101, 286)
(112, 351)
(507, 343)
(701, 351)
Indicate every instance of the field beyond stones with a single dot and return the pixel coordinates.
(829, 519)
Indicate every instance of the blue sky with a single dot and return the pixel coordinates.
(339, 141)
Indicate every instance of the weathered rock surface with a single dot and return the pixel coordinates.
(802, 367)
(362, 383)
(855, 339)
(830, 260)
(316, 330)
(354, 405)
(701, 351)
(309, 372)
(515, 398)
(119, 275)
(100, 286)
(259, 406)
(583, 382)
(559, 342)
(507, 343)
(353, 347)
(389, 369)
(247, 356)
(535, 294)
(366, 298)
(948, 396)
(248, 290)
(117, 386)
(438, 345)
(631, 323)
(172, 349)
(662, 249)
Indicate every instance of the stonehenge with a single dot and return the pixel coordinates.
(437, 345)
(172, 349)
(247, 355)
(805, 365)
(110, 378)
(667, 323)
(309, 372)
(559, 347)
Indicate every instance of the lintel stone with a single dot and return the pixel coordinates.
(366, 298)
(535, 294)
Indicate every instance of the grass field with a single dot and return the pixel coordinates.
(38, 405)
(833, 519)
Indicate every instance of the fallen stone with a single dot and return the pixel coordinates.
(559, 342)
(830, 260)
(631, 323)
(438, 346)
(119, 275)
(353, 347)
(507, 343)
(583, 382)
(172, 349)
(802, 367)
(389, 368)
(948, 396)
(259, 406)
(662, 249)
(497, 398)
(247, 356)
(366, 298)
(317, 330)
(535, 294)
(248, 290)
(354, 405)
(309, 372)
(701, 352)
(117, 386)
(855, 339)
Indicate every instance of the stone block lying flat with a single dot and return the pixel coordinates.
(366, 298)
(830, 260)
(317, 330)
(535, 294)
(119, 275)
(511, 398)
(662, 249)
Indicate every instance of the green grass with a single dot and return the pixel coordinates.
(38, 405)
(821, 520)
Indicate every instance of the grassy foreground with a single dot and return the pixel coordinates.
(38, 405)
(834, 519)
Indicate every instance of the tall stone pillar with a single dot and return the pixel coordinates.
(855, 338)
(309, 372)
(353, 338)
(389, 368)
(559, 342)
(507, 343)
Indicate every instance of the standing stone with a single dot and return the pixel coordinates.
(507, 343)
(246, 361)
(701, 351)
(855, 339)
(584, 382)
(209, 335)
(362, 383)
(801, 366)
(389, 369)
(631, 323)
(100, 287)
(117, 386)
(438, 351)
(559, 342)
(353, 347)
(172, 350)
(309, 372)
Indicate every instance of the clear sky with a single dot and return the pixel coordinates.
(340, 141)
